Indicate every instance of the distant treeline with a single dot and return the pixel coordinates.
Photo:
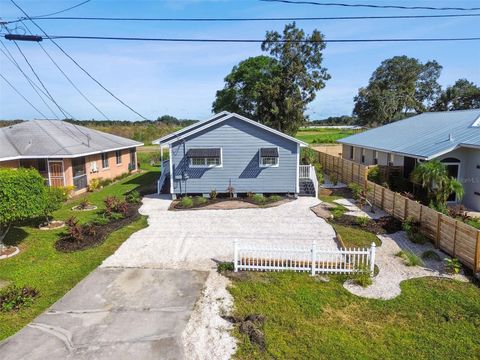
(143, 131)
(335, 120)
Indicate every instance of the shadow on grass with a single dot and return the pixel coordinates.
(15, 236)
(146, 183)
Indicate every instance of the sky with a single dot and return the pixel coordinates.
(181, 79)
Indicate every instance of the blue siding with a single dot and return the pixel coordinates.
(240, 143)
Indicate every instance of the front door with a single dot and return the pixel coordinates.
(55, 173)
(453, 170)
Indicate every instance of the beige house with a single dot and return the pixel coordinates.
(66, 154)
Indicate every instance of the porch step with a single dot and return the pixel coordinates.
(306, 188)
(166, 186)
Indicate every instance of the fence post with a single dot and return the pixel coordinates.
(372, 259)
(476, 265)
(439, 224)
(314, 255)
(235, 255)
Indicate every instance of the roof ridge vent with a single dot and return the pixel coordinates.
(476, 123)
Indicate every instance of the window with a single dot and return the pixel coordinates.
(208, 157)
(391, 159)
(118, 156)
(93, 167)
(79, 173)
(205, 162)
(375, 157)
(133, 160)
(268, 157)
(351, 152)
(104, 160)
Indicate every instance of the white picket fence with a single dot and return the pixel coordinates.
(306, 259)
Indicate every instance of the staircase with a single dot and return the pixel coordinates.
(166, 185)
(306, 188)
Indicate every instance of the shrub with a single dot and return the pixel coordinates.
(356, 190)
(225, 266)
(412, 228)
(199, 200)
(133, 197)
(319, 172)
(74, 230)
(453, 265)
(54, 199)
(105, 182)
(374, 175)
(114, 216)
(114, 205)
(84, 204)
(186, 202)
(361, 276)
(213, 194)
(410, 258)
(274, 198)
(258, 199)
(13, 297)
(67, 190)
(363, 220)
(475, 222)
(430, 255)
(23, 196)
(333, 178)
(308, 156)
(93, 185)
(250, 194)
(101, 220)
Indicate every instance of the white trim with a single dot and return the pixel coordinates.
(268, 166)
(206, 157)
(298, 170)
(171, 167)
(187, 128)
(229, 116)
(66, 156)
(476, 123)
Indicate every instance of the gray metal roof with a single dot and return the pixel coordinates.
(426, 136)
(269, 152)
(54, 138)
(204, 153)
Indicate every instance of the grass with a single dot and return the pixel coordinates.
(53, 273)
(323, 136)
(355, 237)
(410, 258)
(308, 319)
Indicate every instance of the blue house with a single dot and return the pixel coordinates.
(230, 152)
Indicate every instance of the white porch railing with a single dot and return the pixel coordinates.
(308, 172)
(307, 259)
(163, 175)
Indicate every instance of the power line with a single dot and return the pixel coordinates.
(317, 18)
(34, 86)
(64, 10)
(401, 7)
(78, 65)
(24, 98)
(39, 80)
(68, 79)
(212, 40)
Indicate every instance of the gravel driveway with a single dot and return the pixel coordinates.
(194, 239)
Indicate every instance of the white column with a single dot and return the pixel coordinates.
(235, 255)
(314, 255)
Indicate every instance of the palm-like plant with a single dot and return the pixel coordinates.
(433, 176)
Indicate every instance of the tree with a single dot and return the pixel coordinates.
(276, 89)
(433, 177)
(22, 196)
(54, 198)
(462, 95)
(242, 86)
(399, 86)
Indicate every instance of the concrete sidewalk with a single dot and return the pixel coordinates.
(113, 314)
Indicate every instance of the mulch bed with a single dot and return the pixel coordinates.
(100, 232)
(86, 208)
(52, 225)
(343, 192)
(175, 205)
(252, 326)
(383, 225)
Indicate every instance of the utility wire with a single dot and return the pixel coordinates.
(78, 18)
(77, 64)
(34, 86)
(39, 80)
(24, 98)
(68, 79)
(401, 7)
(212, 40)
(64, 10)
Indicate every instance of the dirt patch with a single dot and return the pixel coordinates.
(343, 192)
(383, 225)
(97, 234)
(252, 326)
(228, 204)
(52, 225)
(7, 252)
(323, 210)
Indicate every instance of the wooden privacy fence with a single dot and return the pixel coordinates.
(306, 259)
(456, 238)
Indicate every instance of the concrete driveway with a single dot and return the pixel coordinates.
(113, 314)
(194, 239)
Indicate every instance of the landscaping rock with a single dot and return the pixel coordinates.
(322, 211)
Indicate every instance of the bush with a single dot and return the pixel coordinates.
(67, 190)
(361, 276)
(133, 197)
(412, 228)
(93, 185)
(225, 266)
(186, 202)
(101, 220)
(363, 220)
(453, 265)
(308, 156)
(274, 198)
(13, 298)
(430, 255)
(105, 182)
(213, 194)
(199, 200)
(319, 172)
(114, 205)
(54, 199)
(259, 199)
(356, 190)
(409, 258)
(374, 175)
(23, 196)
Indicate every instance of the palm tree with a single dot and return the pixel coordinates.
(433, 176)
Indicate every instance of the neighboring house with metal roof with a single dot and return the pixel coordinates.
(66, 154)
(452, 137)
(229, 150)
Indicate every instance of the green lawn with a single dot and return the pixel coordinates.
(323, 136)
(308, 319)
(53, 273)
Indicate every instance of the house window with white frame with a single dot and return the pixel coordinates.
(205, 158)
(104, 160)
(118, 157)
(268, 157)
